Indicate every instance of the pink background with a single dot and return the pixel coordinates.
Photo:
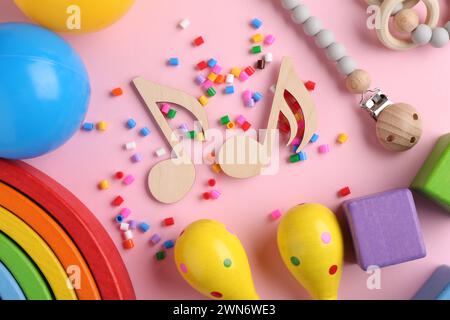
(141, 43)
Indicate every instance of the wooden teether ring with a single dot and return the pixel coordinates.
(406, 4)
(385, 35)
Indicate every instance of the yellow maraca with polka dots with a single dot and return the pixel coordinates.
(311, 246)
(213, 261)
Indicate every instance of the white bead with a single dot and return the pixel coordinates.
(130, 145)
(336, 51)
(312, 26)
(128, 235)
(346, 65)
(290, 4)
(268, 57)
(230, 78)
(160, 152)
(124, 226)
(184, 24)
(324, 38)
(439, 37)
(300, 14)
(447, 27)
(422, 34)
(273, 88)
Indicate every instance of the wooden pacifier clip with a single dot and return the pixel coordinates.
(399, 126)
(406, 20)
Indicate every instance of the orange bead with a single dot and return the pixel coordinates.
(117, 92)
(128, 244)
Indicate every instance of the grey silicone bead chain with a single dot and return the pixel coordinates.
(324, 38)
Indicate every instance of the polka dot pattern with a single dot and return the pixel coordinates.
(333, 269)
(227, 263)
(295, 261)
(183, 268)
(326, 238)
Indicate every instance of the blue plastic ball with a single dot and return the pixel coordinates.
(44, 91)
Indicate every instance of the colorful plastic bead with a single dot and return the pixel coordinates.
(303, 156)
(202, 65)
(294, 158)
(257, 96)
(224, 120)
(342, 138)
(203, 100)
(275, 214)
(268, 57)
(103, 185)
(128, 244)
(216, 168)
(131, 123)
(137, 157)
(102, 126)
(155, 239)
(212, 63)
(257, 38)
(171, 114)
(199, 41)
(230, 125)
(261, 64)
(169, 244)
(130, 145)
(144, 227)
(168, 221)
(200, 79)
(119, 175)
(240, 120)
(211, 92)
(344, 192)
(191, 134)
(217, 69)
(207, 84)
(125, 213)
(310, 85)
(88, 126)
(250, 71)
(236, 72)
(174, 62)
(256, 49)
(160, 152)
(128, 234)
(160, 255)
(116, 92)
(165, 107)
(324, 148)
(243, 76)
(119, 218)
(250, 103)
(220, 79)
(132, 224)
(229, 89)
(269, 40)
(256, 23)
(246, 126)
(184, 24)
(215, 194)
(128, 180)
(206, 196)
(211, 182)
(230, 78)
(124, 226)
(212, 77)
(117, 201)
(146, 131)
(314, 138)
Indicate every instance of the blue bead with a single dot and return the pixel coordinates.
(174, 61)
(131, 123)
(257, 96)
(303, 156)
(88, 126)
(169, 244)
(229, 90)
(144, 227)
(145, 131)
(119, 218)
(314, 138)
(256, 23)
(212, 63)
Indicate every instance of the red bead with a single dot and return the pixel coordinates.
(199, 41)
(117, 201)
(206, 196)
(119, 175)
(169, 221)
(211, 182)
(246, 126)
(117, 92)
(250, 70)
(344, 192)
(202, 65)
(310, 85)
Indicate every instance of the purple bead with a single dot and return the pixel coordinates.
(155, 239)
(136, 157)
(200, 79)
(132, 224)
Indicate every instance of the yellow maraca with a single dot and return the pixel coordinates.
(311, 246)
(212, 260)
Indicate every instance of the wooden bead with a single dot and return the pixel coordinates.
(406, 20)
(358, 81)
(399, 127)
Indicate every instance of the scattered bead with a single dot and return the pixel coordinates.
(183, 128)
(310, 85)
(211, 92)
(256, 49)
(230, 125)
(229, 89)
(212, 77)
(117, 201)
(344, 192)
(314, 138)
(174, 62)
(216, 168)
(130, 145)
(275, 214)
(212, 63)
(268, 57)
(171, 114)
(250, 71)
(257, 96)
(128, 244)
(202, 65)
(119, 175)
(342, 138)
(169, 244)
(236, 72)
(137, 157)
(103, 185)
(102, 126)
(203, 100)
(128, 234)
(243, 76)
(184, 24)
(240, 120)
(261, 64)
(160, 152)
(215, 194)
(256, 23)
(246, 126)
(144, 227)
(250, 103)
(191, 134)
(116, 92)
(155, 239)
(165, 107)
(257, 38)
(211, 182)
(200, 136)
(269, 40)
(146, 131)
(88, 126)
(324, 148)
(198, 41)
(220, 79)
(160, 255)
(207, 84)
(168, 221)
(294, 158)
(230, 78)
(128, 180)
(124, 226)
(125, 213)
(224, 120)
(206, 196)
(132, 224)
(303, 156)
(200, 79)
(119, 218)
(217, 69)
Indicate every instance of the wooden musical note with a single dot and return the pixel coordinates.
(170, 180)
(244, 157)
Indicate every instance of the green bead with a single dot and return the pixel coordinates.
(171, 114)
(211, 92)
(294, 158)
(256, 49)
(224, 120)
(433, 179)
(160, 255)
(295, 261)
(192, 134)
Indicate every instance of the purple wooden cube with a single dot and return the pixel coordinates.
(385, 228)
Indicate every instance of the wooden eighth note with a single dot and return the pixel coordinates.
(170, 180)
(243, 157)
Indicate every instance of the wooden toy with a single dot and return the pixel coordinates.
(212, 260)
(40, 252)
(385, 228)
(398, 126)
(433, 179)
(87, 233)
(437, 287)
(243, 157)
(311, 246)
(54, 236)
(9, 288)
(24, 270)
(75, 16)
(170, 180)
